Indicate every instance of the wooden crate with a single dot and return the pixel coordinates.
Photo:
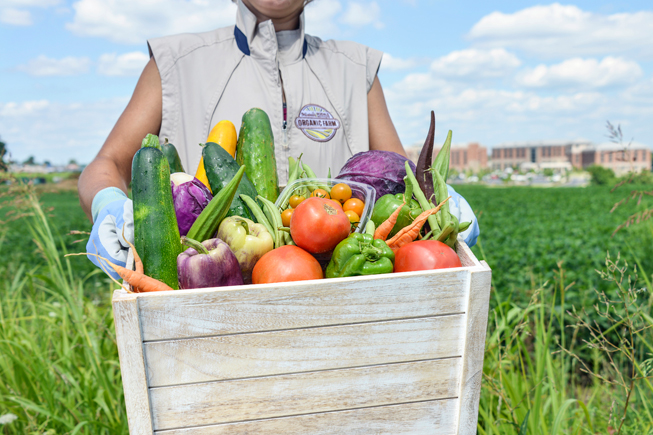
(385, 354)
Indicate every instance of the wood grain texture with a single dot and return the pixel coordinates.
(132, 365)
(433, 417)
(313, 392)
(267, 307)
(467, 258)
(472, 373)
(300, 350)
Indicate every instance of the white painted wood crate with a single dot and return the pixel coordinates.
(385, 354)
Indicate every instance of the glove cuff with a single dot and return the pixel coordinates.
(104, 197)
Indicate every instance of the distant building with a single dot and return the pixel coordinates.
(621, 159)
(571, 154)
(464, 157)
(536, 155)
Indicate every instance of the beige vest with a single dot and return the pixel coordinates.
(208, 77)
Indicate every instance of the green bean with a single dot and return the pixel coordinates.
(421, 199)
(274, 215)
(408, 194)
(258, 213)
(293, 169)
(441, 192)
(311, 174)
(462, 227)
(370, 227)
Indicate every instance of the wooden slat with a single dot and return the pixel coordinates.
(313, 392)
(467, 258)
(229, 310)
(472, 373)
(433, 417)
(299, 350)
(132, 365)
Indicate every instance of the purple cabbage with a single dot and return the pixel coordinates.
(190, 197)
(217, 268)
(383, 170)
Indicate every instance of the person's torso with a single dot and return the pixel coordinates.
(220, 75)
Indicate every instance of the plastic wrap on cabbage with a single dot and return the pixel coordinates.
(190, 197)
(383, 170)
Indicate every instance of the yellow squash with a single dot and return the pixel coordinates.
(224, 134)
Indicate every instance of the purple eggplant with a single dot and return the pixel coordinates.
(190, 197)
(207, 264)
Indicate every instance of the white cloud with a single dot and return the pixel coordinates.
(75, 130)
(15, 12)
(391, 63)
(475, 63)
(583, 73)
(45, 66)
(128, 64)
(29, 3)
(362, 14)
(561, 31)
(15, 17)
(132, 22)
(320, 18)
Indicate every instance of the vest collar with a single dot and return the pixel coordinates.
(262, 40)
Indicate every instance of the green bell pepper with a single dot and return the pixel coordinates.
(360, 254)
(387, 204)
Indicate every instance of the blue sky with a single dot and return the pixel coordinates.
(493, 72)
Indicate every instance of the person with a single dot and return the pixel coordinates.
(324, 101)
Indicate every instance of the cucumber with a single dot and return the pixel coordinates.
(220, 169)
(172, 155)
(255, 150)
(207, 223)
(156, 234)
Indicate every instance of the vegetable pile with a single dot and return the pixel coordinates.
(230, 224)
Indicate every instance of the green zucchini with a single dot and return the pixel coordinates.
(220, 168)
(156, 234)
(207, 223)
(172, 155)
(255, 149)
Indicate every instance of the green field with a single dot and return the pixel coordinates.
(59, 364)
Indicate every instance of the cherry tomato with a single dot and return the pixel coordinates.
(295, 200)
(355, 205)
(285, 216)
(286, 263)
(336, 204)
(425, 255)
(320, 193)
(317, 225)
(353, 217)
(341, 192)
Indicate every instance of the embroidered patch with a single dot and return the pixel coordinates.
(317, 123)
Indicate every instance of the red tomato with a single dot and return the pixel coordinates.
(425, 255)
(286, 263)
(317, 225)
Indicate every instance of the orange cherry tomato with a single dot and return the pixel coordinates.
(341, 192)
(355, 205)
(286, 215)
(353, 217)
(295, 200)
(336, 203)
(320, 193)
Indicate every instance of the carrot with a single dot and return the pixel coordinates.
(139, 281)
(138, 263)
(386, 227)
(410, 233)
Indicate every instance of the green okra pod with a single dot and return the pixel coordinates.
(258, 213)
(421, 199)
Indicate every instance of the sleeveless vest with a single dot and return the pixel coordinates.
(216, 75)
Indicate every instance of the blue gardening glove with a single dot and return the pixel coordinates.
(460, 208)
(112, 210)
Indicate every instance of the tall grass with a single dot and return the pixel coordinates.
(536, 383)
(58, 356)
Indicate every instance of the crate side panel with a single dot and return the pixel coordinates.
(301, 350)
(302, 304)
(432, 417)
(304, 393)
(132, 364)
(467, 257)
(472, 373)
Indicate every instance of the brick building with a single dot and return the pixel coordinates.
(464, 157)
(621, 159)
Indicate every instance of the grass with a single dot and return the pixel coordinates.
(59, 364)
